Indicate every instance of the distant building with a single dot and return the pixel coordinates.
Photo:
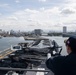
(38, 32)
(11, 32)
(64, 29)
(0, 31)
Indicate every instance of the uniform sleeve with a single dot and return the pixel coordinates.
(55, 63)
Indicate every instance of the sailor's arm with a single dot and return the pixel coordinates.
(55, 63)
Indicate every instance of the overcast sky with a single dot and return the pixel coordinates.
(37, 14)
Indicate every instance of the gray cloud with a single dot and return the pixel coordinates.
(70, 23)
(67, 11)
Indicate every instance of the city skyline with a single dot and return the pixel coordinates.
(37, 14)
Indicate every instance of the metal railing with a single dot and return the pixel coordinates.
(20, 69)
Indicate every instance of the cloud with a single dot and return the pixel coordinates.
(13, 18)
(68, 11)
(4, 5)
(70, 4)
(29, 19)
(45, 17)
(73, 23)
(32, 19)
(17, 1)
(42, 0)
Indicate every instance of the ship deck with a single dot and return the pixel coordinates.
(8, 51)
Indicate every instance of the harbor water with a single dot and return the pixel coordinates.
(6, 42)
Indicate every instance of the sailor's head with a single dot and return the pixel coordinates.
(70, 44)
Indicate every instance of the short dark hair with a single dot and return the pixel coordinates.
(71, 41)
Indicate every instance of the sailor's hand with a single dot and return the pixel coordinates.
(54, 52)
(48, 55)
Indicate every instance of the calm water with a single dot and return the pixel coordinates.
(6, 42)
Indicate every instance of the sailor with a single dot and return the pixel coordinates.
(64, 65)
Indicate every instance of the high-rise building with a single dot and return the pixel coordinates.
(64, 29)
(38, 32)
